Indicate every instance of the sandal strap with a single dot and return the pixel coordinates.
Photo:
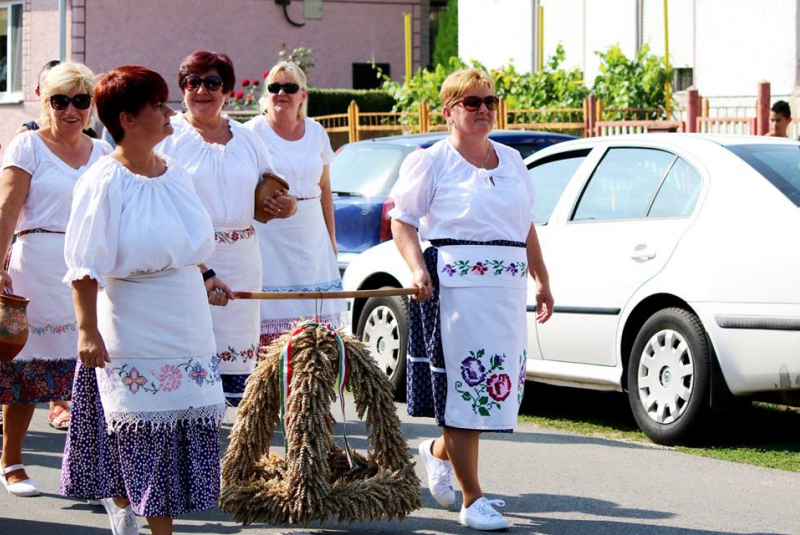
(12, 468)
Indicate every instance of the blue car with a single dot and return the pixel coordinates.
(363, 173)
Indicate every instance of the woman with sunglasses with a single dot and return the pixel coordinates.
(148, 397)
(39, 173)
(225, 161)
(299, 254)
(472, 199)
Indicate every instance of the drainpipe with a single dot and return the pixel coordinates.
(62, 30)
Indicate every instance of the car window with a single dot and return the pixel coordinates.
(367, 169)
(780, 164)
(678, 194)
(623, 185)
(550, 176)
(526, 149)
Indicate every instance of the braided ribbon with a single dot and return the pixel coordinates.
(286, 382)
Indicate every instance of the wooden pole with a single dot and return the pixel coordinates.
(762, 108)
(386, 292)
(692, 109)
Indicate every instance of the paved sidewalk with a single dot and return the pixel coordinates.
(553, 483)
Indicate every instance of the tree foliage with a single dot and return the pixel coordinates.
(446, 44)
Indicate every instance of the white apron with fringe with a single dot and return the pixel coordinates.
(298, 257)
(484, 335)
(237, 262)
(36, 267)
(158, 334)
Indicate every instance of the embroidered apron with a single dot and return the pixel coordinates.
(482, 293)
(158, 334)
(298, 257)
(237, 262)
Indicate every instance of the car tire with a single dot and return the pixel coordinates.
(383, 327)
(669, 376)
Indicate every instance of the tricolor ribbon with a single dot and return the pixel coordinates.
(286, 382)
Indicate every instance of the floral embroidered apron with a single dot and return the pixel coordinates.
(484, 334)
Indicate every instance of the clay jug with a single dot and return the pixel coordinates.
(269, 186)
(13, 325)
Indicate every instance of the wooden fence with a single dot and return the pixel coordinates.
(593, 119)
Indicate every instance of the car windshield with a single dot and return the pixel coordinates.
(533, 146)
(780, 164)
(367, 169)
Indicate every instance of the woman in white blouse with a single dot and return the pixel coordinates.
(472, 199)
(39, 173)
(147, 400)
(225, 161)
(299, 253)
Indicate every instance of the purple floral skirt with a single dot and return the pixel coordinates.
(426, 391)
(26, 382)
(162, 471)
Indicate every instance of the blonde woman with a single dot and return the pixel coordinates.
(40, 169)
(471, 198)
(298, 253)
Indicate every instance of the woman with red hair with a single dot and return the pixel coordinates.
(147, 399)
(225, 161)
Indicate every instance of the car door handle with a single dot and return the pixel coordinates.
(643, 252)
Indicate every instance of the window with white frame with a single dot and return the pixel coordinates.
(10, 49)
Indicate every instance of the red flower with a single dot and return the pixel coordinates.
(245, 82)
(498, 386)
(479, 268)
(266, 73)
(256, 83)
(239, 94)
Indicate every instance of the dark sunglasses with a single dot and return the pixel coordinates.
(61, 102)
(193, 82)
(474, 103)
(289, 89)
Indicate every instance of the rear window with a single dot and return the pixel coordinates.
(780, 164)
(368, 170)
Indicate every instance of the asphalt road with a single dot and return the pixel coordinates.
(553, 483)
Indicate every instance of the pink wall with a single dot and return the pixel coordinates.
(160, 33)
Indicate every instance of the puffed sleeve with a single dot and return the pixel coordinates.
(21, 152)
(325, 145)
(93, 229)
(413, 191)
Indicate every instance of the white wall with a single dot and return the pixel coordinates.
(496, 31)
(563, 23)
(740, 42)
(608, 22)
(681, 30)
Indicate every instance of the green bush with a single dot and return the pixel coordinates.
(332, 101)
(446, 44)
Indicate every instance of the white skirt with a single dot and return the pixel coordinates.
(297, 256)
(482, 293)
(158, 333)
(36, 267)
(237, 262)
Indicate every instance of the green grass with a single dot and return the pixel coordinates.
(759, 434)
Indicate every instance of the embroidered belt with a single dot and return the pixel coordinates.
(233, 236)
(38, 231)
(444, 242)
(306, 198)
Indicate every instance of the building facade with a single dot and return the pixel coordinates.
(103, 34)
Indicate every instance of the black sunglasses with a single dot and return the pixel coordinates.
(193, 82)
(289, 89)
(61, 102)
(474, 103)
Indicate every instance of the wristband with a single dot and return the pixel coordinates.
(208, 274)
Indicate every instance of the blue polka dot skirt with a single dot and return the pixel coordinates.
(162, 471)
(426, 390)
(233, 387)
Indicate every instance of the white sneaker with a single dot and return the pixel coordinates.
(23, 489)
(440, 475)
(481, 515)
(123, 521)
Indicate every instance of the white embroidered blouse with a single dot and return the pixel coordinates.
(445, 196)
(224, 176)
(298, 162)
(124, 224)
(49, 198)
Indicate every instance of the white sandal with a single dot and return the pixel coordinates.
(24, 488)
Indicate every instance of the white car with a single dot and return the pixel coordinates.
(674, 260)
